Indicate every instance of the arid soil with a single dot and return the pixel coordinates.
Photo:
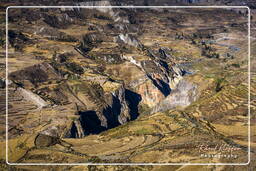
(122, 85)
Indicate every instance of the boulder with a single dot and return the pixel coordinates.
(43, 140)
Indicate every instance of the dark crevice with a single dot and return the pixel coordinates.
(73, 131)
(116, 107)
(90, 122)
(111, 116)
(161, 85)
(184, 72)
(163, 53)
(133, 99)
(165, 65)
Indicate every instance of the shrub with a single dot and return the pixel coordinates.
(75, 68)
(144, 109)
(219, 85)
(236, 65)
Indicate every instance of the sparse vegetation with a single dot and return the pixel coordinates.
(219, 84)
(236, 65)
(144, 109)
(209, 52)
(142, 131)
(75, 68)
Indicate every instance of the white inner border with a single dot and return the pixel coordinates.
(175, 7)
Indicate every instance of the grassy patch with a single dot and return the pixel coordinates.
(235, 65)
(117, 132)
(143, 131)
(144, 109)
(219, 84)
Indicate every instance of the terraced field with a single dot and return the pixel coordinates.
(128, 86)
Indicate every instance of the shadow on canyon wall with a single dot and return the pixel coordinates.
(91, 123)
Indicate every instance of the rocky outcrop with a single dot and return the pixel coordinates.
(164, 53)
(99, 108)
(129, 40)
(54, 34)
(30, 96)
(96, 45)
(160, 79)
(95, 3)
(119, 105)
(183, 95)
(150, 94)
(75, 130)
(34, 75)
(43, 140)
(58, 21)
(117, 110)
(17, 39)
(109, 11)
(105, 57)
(89, 41)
